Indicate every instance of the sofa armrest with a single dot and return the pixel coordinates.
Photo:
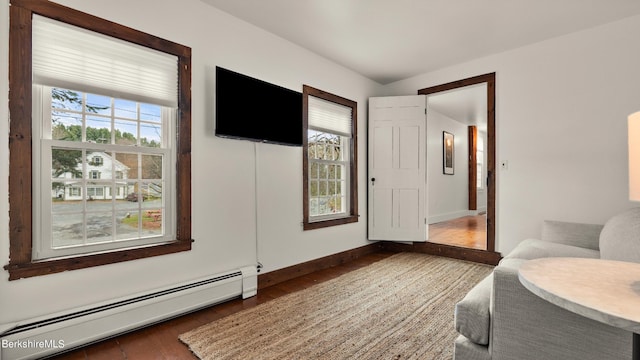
(575, 234)
(471, 317)
(526, 327)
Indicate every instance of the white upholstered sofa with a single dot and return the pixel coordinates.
(501, 320)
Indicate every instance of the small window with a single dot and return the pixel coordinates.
(97, 160)
(330, 163)
(75, 192)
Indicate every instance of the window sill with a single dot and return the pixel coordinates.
(45, 267)
(308, 225)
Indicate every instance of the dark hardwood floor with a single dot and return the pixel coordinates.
(160, 341)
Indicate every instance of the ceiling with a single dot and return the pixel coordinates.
(390, 40)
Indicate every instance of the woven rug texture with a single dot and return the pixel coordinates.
(400, 307)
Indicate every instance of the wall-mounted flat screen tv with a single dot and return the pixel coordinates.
(252, 109)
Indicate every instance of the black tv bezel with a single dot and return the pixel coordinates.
(273, 92)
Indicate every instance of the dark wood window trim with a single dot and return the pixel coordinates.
(353, 171)
(21, 264)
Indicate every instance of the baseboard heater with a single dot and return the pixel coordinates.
(43, 337)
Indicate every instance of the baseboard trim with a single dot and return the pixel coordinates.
(475, 255)
(294, 271)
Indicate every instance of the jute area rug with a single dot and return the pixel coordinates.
(398, 308)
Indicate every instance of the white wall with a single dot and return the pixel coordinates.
(561, 111)
(447, 195)
(241, 191)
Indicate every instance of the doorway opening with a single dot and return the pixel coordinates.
(467, 233)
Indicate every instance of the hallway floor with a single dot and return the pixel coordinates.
(469, 232)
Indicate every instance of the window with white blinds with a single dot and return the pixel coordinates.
(328, 116)
(329, 159)
(70, 57)
(101, 98)
(104, 173)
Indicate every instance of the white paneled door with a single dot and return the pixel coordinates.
(397, 168)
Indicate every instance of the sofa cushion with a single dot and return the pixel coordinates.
(534, 249)
(620, 237)
(568, 233)
(472, 318)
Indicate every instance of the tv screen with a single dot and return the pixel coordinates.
(252, 109)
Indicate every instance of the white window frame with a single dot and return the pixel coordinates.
(43, 144)
(345, 163)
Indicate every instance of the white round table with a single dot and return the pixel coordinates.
(602, 290)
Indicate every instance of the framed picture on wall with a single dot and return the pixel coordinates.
(447, 153)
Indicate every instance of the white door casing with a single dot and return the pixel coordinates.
(397, 168)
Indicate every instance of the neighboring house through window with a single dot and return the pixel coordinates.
(65, 175)
(99, 132)
(330, 161)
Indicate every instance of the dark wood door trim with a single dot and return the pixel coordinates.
(473, 169)
(490, 80)
(454, 252)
